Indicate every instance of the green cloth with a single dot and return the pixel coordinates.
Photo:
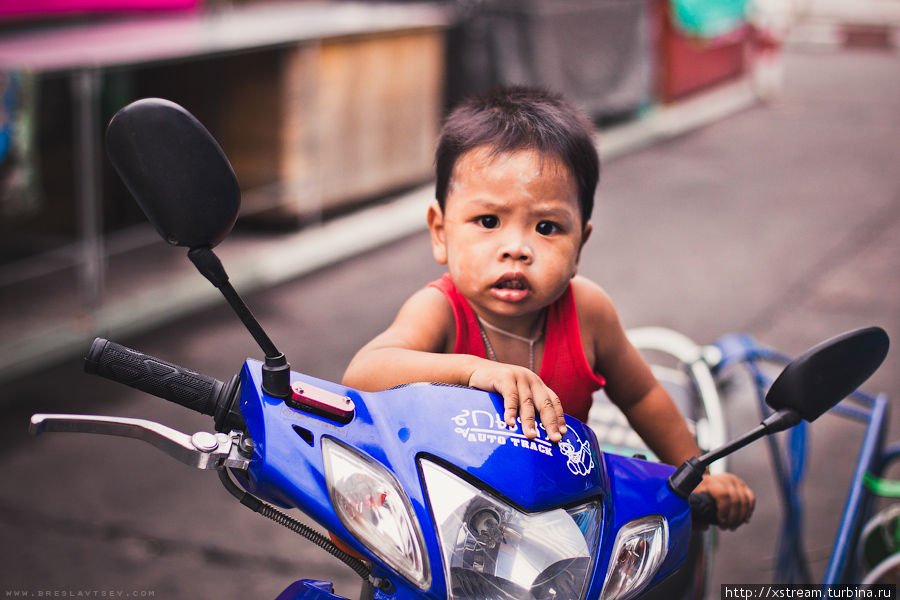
(708, 18)
(885, 488)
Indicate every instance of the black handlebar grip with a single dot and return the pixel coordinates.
(703, 509)
(154, 376)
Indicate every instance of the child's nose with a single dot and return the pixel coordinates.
(516, 247)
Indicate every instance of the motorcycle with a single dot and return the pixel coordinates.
(426, 491)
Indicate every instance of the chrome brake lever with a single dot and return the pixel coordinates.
(203, 450)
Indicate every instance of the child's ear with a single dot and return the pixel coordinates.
(585, 234)
(438, 233)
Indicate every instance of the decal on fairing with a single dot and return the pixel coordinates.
(481, 426)
(578, 451)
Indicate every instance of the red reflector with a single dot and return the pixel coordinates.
(312, 399)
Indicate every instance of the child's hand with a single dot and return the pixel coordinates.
(523, 392)
(734, 500)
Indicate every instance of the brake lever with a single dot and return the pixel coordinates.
(203, 450)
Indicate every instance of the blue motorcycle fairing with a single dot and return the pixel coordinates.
(458, 426)
(397, 426)
(637, 488)
(309, 589)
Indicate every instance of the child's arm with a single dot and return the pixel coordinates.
(648, 407)
(416, 347)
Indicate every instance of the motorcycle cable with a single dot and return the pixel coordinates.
(270, 512)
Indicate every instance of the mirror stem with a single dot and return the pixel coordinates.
(276, 371)
(689, 475)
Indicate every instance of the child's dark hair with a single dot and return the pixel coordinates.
(517, 118)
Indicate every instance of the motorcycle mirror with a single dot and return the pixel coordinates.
(827, 373)
(175, 170)
(811, 384)
(185, 185)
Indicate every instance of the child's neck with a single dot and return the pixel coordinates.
(536, 332)
(508, 347)
(522, 327)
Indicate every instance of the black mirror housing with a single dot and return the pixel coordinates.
(829, 372)
(176, 171)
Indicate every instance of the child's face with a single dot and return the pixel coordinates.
(510, 232)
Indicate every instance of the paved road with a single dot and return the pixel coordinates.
(783, 221)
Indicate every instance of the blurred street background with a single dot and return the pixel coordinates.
(751, 182)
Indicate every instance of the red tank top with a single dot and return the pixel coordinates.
(564, 367)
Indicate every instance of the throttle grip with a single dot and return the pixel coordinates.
(703, 509)
(155, 376)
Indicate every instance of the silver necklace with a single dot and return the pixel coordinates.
(530, 341)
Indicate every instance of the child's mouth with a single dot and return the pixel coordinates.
(511, 287)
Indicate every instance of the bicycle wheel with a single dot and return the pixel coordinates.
(682, 367)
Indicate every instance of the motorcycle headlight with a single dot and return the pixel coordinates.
(369, 502)
(493, 551)
(638, 552)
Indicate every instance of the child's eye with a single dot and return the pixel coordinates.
(547, 228)
(488, 221)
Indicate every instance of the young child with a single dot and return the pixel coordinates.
(517, 170)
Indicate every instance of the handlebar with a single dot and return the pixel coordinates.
(703, 509)
(157, 377)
